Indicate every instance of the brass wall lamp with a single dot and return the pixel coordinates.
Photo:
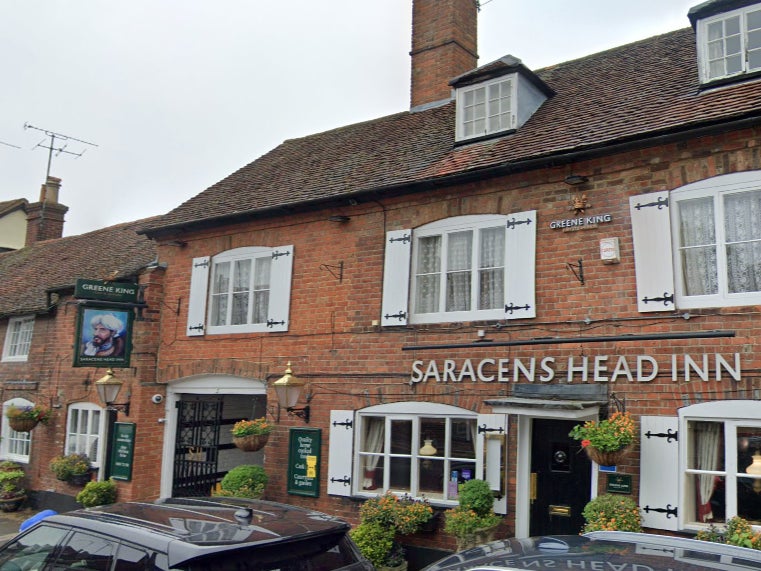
(288, 389)
(108, 387)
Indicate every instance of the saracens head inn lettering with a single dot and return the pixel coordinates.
(586, 369)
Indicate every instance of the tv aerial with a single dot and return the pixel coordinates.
(63, 144)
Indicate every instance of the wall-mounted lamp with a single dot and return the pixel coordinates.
(574, 179)
(288, 389)
(339, 218)
(108, 387)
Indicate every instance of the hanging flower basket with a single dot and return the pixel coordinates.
(610, 458)
(251, 442)
(22, 424)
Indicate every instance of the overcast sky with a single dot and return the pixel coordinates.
(176, 95)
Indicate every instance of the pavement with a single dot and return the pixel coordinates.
(10, 522)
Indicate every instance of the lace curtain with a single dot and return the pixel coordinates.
(707, 435)
(742, 211)
(374, 428)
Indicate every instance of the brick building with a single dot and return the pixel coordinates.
(520, 251)
(44, 364)
(517, 253)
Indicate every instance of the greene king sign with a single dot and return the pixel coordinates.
(598, 369)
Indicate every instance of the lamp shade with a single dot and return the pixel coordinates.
(288, 388)
(427, 449)
(108, 387)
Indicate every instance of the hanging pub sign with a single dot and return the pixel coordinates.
(304, 461)
(106, 291)
(104, 337)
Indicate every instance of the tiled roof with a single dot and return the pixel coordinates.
(624, 94)
(27, 274)
(7, 206)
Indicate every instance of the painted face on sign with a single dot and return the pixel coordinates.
(102, 335)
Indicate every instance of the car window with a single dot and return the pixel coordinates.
(32, 551)
(132, 558)
(86, 552)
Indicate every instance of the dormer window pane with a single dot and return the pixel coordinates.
(475, 112)
(500, 105)
(730, 44)
(487, 108)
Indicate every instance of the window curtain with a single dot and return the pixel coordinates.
(742, 213)
(698, 246)
(375, 434)
(459, 265)
(707, 436)
(492, 269)
(428, 274)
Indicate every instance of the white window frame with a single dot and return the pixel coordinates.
(717, 188)
(15, 446)
(732, 414)
(505, 117)
(345, 466)
(704, 48)
(92, 438)
(201, 291)
(400, 269)
(18, 338)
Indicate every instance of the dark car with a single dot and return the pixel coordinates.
(601, 551)
(185, 534)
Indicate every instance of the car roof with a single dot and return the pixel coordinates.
(608, 550)
(191, 528)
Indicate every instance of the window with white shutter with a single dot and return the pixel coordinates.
(421, 449)
(464, 268)
(244, 290)
(720, 463)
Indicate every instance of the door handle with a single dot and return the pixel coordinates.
(561, 511)
(533, 486)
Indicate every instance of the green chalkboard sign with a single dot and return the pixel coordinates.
(304, 461)
(122, 451)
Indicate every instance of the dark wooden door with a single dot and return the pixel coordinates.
(561, 479)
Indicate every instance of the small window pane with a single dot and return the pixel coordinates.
(734, 64)
(401, 437)
(732, 26)
(754, 59)
(715, 31)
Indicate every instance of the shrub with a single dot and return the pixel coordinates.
(98, 493)
(612, 513)
(475, 512)
(64, 467)
(403, 514)
(375, 542)
(10, 482)
(738, 532)
(244, 481)
(476, 495)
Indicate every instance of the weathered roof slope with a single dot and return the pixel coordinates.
(27, 274)
(625, 94)
(7, 206)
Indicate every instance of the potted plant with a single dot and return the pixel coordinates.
(25, 418)
(605, 441)
(612, 513)
(244, 481)
(251, 435)
(12, 495)
(72, 468)
(473, 522)
(98, 493)
(384, 517)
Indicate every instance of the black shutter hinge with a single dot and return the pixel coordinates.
(345, 480)
(482, 429)
(669, 435)
(272, 323)
(660, 204)
(666, 299)
(513, 223)
(347, 424)
(400, 316)
(404, 239)
(668, 510)
(511, 308)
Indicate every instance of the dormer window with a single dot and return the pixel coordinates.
(496, 99)
(729, 44)
(485, 109)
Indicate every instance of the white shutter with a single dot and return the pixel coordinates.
(199, 284)
(341, 452)
(280, 288)
(491, 456)
(651, 233)
(520, 265)
(659, 472)
(396, 278)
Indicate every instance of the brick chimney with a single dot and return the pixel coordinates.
(44, 219)
(444, 45)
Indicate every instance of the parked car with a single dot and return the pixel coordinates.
(193, 534)
(603, 551)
